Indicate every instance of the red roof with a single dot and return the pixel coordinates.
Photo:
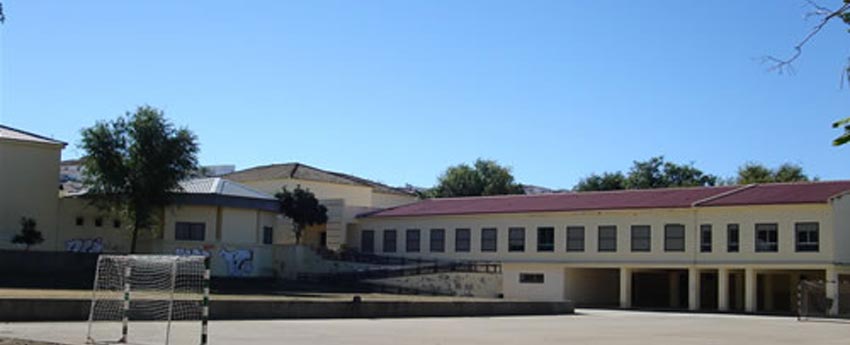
(790, 193)
(782, 193)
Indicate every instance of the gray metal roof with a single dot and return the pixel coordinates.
(9, 133)
(220, 186)
(306, 172)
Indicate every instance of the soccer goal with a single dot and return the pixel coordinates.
(150, 299)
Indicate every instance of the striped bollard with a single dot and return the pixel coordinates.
(205, 307)
(799, 300)
(125, 311)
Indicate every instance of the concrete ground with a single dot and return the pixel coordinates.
(603, 327)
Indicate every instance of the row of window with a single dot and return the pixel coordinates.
(189, 231)
(98, 222)
(766, 239)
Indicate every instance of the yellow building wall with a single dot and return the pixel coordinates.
(89, 237)
(384, 200)
(353, 195)
(841, 237)
(552, 288)
(691, 218)
(29, 187)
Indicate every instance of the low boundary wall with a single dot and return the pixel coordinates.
(25, 309)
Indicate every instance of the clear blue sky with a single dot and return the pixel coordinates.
(396, 91)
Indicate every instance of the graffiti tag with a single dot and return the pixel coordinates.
(84, 245)
(240, 262)
(191, 251)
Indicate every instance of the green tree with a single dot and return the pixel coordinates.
(485, 177)
(303, 208)
(29, 236)
(758, 173)
(606, 181)
(133, 164)
(844, 138)
(754, 173)
(652, 173)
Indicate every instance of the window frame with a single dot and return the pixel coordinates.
(545, 247)
(412, 245)
(386, 240)
(190, 230)
(767, 245)
(571, 240)
(485, 247)
(669, 238)
(612, 238)
(733, 246)
(645, 239)
(466, 240)
(434, 239)
(532, 278)
(516, 239)
(809, 246)
(705, 244)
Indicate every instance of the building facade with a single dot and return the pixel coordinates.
(722, 248)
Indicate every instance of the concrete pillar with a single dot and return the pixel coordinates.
(693, 288)
(673, 280)
(723, 289)
(750, 293)
(768, 291)
(832, 290)
(625, 287)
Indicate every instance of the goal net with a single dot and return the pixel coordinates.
(149, 299)
(813, 302)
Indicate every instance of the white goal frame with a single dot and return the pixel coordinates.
(113, 287)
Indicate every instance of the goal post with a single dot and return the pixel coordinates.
(150, 299)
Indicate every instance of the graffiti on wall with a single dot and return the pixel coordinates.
(84, 245)
(191, 251)
(240, 262)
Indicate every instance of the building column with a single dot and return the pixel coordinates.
(625, 287)
(693, 288)
(673, 278)
(750, 293)
(722, 289)
(768, 291)
(831, 285)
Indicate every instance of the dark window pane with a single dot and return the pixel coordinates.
(732, 238)
(767, 237)
(438, 240)
(367, 241)
(390, 241)
(545, 239)
(462, 240)
(808, 237)
(575, 239)
(516, 239)
(413, 241)
(268, 235)
(674, 238)
(531, 278)
(489, 240)
(607, 238)
(641, 238)
(705, 238)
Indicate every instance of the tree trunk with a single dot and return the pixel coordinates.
(135, 236)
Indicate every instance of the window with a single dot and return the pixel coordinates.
(546, 239)
(98, 222)
(80, 221)
(462, 240)
(807, 236)
(767, 237)
(186, 231)
(438, 240)
(367, 241)
(531, 278)
(674, 238)
(575, 238)
(489, 240)
(516, 239)
(268, 236)
(705, 238)
(116, 223)
(732, 238)
(641, 238)
(390, 241)
(608, 238)
(412, 241)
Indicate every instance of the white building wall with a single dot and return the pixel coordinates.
(552, 288)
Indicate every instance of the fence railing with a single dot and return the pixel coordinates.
(431, 267)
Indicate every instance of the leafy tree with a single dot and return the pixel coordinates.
(844, 138)
(29, 236)
(758, 173)
(606, 181)
(303, 208)
(486, 177)
(652, 173)
(134, 163)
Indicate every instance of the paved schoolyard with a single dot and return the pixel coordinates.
(588, 327)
